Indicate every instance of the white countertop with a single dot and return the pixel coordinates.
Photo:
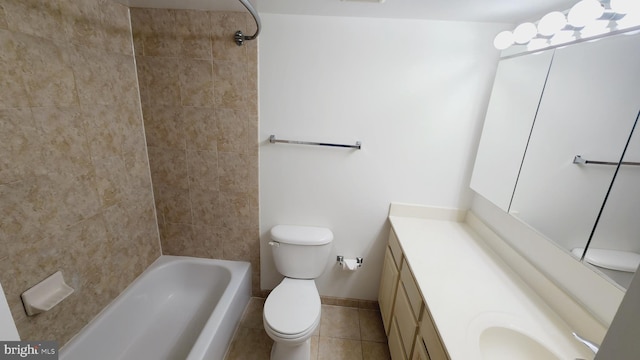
(468, 288)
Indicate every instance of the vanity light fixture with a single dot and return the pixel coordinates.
(524, 33)
(584, 12)
(503, 40)
(585, 19)
(552, 23)
(625, 6)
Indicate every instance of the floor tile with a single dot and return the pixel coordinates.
(340, 322)
(345, 333)
(252, 317)
(371, 328)
(339, 349)
(250, 344)
(375, 351)
(315, 345)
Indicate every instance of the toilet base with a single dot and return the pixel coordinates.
(283, 351)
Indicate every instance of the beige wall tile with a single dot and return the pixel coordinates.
(174, 204)
(162, 77)
(114, 18)
(230, 84)
(13, 92)
(112, 181)
(233, 130)
(234, 171)
(194, 34)
(201, 128)
(202, 167)
(224, 26)
(47, 75)
(196, 82)
(176, 238)
(205, 204)
(168, 167)
(38, 18)
(207, 239)
(77, 196)
(164, 127)
(184, 106)
(238, 210)
(160, 35)
(64, 142)
(20, 152)
(3, 18)
(101, 78)
(80, 17)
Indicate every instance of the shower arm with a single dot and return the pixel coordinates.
(239, 36)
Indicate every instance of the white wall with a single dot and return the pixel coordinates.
(414, 92)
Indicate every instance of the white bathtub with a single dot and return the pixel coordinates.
(179, 308)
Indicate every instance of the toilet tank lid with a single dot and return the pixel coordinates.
(611, 259)
(301, 235)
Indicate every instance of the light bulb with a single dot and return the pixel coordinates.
(524, 32)
(595, 28)
(584, 12)
(503, 40)
(628, 21)
(537, 44)
(562, 37)
(625, 6)
(551, 23)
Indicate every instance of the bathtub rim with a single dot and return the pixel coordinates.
(240, 271)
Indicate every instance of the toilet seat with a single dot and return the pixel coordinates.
(292, 309)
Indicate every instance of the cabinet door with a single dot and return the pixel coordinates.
(407, 323)
(431, 338)
(420, 350)
(395, 344)
(388, 285)
(516, 93)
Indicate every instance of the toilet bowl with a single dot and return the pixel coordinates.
(292, 310)
(619, 266)
(291, 315)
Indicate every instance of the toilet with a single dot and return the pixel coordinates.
(292, 310)
(619, 266)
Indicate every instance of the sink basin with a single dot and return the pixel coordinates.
(499, 343)
(509, 336)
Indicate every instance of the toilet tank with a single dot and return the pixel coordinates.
(301, 252)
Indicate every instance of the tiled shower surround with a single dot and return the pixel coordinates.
(75, 187)
(199, 100)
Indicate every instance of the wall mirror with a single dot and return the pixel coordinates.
(614, 248)
(584, 114)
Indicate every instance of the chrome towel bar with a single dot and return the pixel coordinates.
(580, 161)
(273, 140)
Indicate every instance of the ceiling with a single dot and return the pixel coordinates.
(500, 11)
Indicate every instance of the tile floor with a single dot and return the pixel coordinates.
(345, 333)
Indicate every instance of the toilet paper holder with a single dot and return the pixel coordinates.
(340, 260)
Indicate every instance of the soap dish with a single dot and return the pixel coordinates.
(46, 294)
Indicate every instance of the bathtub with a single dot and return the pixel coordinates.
(178, 308)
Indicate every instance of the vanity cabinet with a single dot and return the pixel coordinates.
(410, 330)
(389, 281)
